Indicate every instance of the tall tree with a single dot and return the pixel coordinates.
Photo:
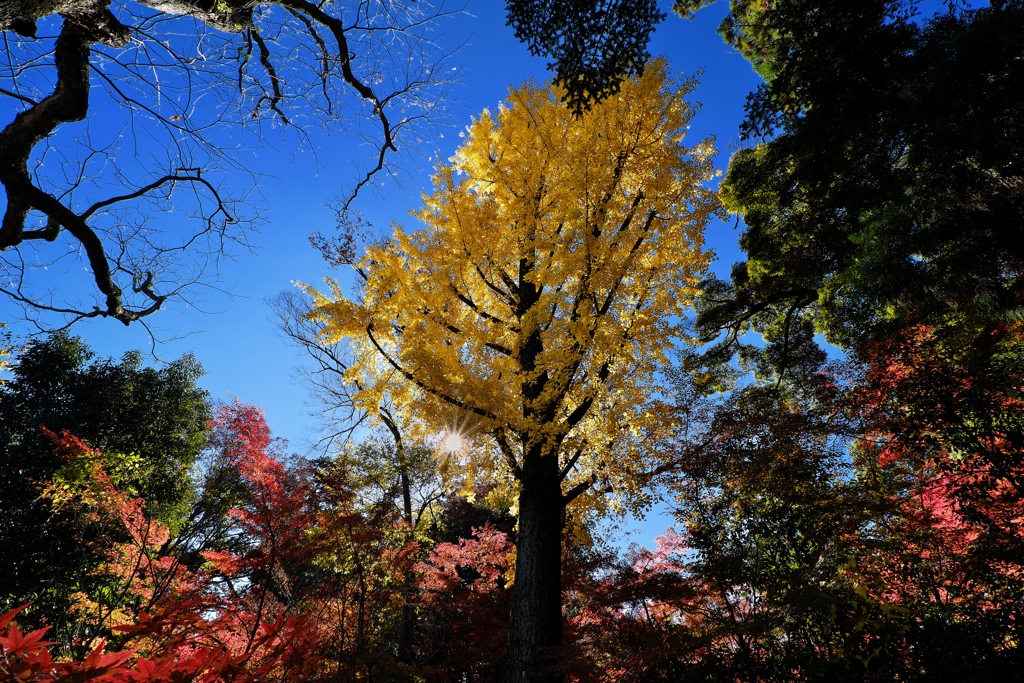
(883, 210)
(538, 301)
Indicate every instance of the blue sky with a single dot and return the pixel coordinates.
(235, 337)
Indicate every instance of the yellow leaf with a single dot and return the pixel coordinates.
(544, 290)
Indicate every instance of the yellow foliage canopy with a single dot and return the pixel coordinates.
(557, 257)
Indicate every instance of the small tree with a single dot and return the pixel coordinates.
(558, 256)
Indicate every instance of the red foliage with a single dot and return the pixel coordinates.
(278, 510)
(134, 567)
(625, 616)
(227, 622)
(466, 605)
(197, 658)
(945, 423)
(364, 561)
(68, 446)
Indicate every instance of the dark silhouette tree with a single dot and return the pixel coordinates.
(592, 44)
(178, 85)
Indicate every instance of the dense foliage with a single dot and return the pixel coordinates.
(843, 454)
(882, 213)
(888, 198)
(151, 426)
(592, 44)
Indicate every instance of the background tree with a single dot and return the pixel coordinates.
(881, 211)
(465, 600)
(636, 615)
(592, 44)
(885, 199)
(182, 77)
(539, 302)
(376, 464)
(379, 468)
(775, 519)
(224, 620)
(152, 424)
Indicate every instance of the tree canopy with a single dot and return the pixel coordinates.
(151, 425)
(592, 44)
(883, 199)
(539, 300)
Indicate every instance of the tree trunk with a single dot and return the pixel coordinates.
(535, 631)
(405, 625)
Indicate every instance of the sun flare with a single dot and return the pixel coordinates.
(452, 442)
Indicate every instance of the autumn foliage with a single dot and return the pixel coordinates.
(875, 562)
(311, 585)
(847, 515)
(172, 622)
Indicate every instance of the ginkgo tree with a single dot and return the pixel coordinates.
(557, 259)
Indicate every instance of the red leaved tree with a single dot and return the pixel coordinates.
(227, 621)
(946, 433)
(466, 600)
(191, 649)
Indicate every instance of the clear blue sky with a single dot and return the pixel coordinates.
(236, 339)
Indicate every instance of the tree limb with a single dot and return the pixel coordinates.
(430, 390)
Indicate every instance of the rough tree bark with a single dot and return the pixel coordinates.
(535, 630)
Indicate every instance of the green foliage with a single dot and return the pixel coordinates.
(592, 44)
(149, 425)
(822, 558)
(773, 512)
(888, 197)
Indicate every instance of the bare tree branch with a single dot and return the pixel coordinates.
(175, 73)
